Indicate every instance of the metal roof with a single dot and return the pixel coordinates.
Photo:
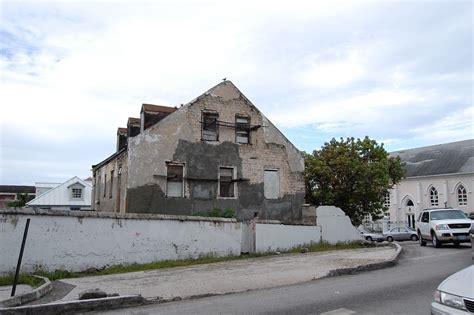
(448, 158)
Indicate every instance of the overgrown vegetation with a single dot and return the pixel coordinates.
(216, 213)
(353, 175)
(62, 274)
(22, 279)
(21, 200)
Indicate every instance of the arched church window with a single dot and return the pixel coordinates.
(434, 200)
(462, 196)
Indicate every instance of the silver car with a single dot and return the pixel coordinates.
(401, 233)
(455, 295)
(372, 236)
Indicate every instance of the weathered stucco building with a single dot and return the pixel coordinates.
(218, 151)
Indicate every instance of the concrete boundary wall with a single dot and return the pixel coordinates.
(77, 240)
(336, 226)
(278, 237)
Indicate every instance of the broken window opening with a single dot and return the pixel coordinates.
(242, 130)
(174, 181)
(210, 126)
(226, 182)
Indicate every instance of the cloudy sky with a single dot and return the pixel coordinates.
(400, 72)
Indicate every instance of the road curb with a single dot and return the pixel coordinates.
(70, 307)
(380, 265)
(30, 296)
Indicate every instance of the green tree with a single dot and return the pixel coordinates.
(353, 175)
(21, 200)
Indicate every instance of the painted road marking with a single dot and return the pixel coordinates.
(339, 311)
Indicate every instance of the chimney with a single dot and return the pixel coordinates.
(151, 114)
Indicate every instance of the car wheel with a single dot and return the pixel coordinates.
(420, 238)
(435, 241)
(368, 238)
(414, 238)
(390, 239)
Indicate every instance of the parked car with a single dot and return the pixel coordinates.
(401, 233)
(455, 295)
(372, 236)
(443, 225)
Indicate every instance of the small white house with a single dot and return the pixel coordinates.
(74, 194)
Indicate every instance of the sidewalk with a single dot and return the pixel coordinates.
(161, 285)
(235, 276)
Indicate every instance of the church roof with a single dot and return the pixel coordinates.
(447, 158)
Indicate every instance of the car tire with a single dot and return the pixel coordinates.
(414, 238)
(435, 241)
(390, 239)
(420, 238)
(368, 238)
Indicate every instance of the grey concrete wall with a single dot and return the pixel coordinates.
(336, 226)
(76, 241)
(278, 237)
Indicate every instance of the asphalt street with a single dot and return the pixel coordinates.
(406, 288)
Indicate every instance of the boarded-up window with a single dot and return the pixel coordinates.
(226, 183)
(174, 187)
(210, 126)
(242, 129)
(271, 183)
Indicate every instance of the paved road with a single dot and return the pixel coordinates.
(404, 289)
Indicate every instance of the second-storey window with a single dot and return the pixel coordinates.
(242, 129)
(226, 182)
(174, 181)
(210, 126)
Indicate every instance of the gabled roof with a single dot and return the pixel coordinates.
(59, 195)
(441, 159)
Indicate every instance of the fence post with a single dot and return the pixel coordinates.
(17, 272)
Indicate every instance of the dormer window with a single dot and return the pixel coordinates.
(76, 191)
(210, 126)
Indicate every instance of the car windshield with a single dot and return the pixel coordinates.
(447, 214)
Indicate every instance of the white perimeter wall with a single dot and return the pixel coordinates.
(336, 226)
(77, 243)
(272, 237)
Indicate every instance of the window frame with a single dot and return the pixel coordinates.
(242, 128)
(203, 125)
(183, 169)
(461, 193)
(434, 197)
(73, 193)
(111, 188)
(232, 181)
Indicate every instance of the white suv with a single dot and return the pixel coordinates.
(443, 226)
